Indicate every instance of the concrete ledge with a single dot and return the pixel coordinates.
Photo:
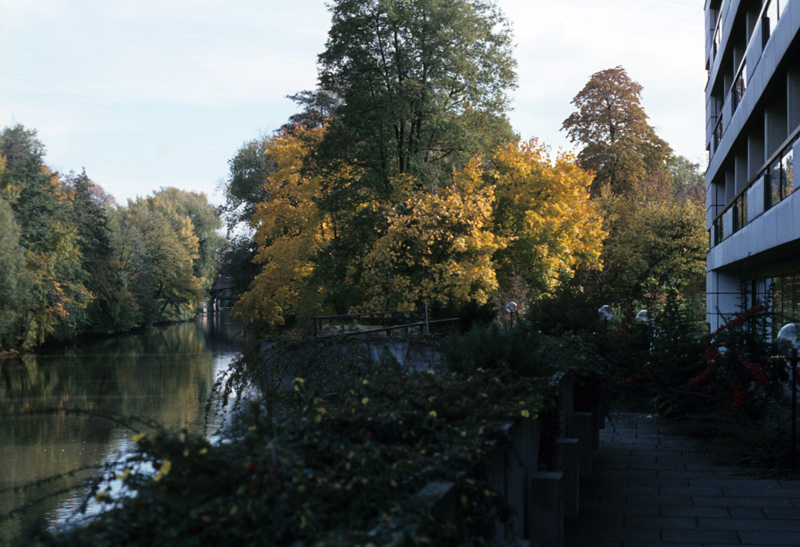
(546, 517)
(570, 465)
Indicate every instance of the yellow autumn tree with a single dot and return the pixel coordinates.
(543, 210)
(289, 231)
(438, 244)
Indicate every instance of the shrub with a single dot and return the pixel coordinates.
(338, 464)
(740, 372)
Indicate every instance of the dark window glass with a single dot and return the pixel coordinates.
(740, 86)
(777, 301)
(718, 231)
(744, 208)
(775, 183)
(787, 291)
(787, 173)
(718, 132)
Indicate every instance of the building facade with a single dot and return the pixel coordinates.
(752, 127)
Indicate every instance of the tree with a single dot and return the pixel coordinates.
(12, 281)
(205, 223)
(245, 188)
(290, 230)
(58, 297)
(656, 243)
(688, 181)
(110, 309)
(544, 212)
(618, 143)
(438, 246)
(319, 107)
(423, 85)
(157, 248)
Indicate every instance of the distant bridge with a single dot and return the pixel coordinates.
(220, 295)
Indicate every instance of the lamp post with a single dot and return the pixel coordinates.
(788, 343)
(606, 314)
(511, 308)
(643, 317)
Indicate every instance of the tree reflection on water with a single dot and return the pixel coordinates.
(52, 408)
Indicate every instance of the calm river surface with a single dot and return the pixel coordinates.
(165, 374)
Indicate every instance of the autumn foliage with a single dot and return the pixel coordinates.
(453, 243)
(289, 231)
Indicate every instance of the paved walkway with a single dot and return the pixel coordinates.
(651, 488)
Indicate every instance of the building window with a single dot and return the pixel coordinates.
(718, 231)
(787, 173)
(785, 300)
(780, 178)
(740, 212)
(740, 86)
(718, 132)
(773, 14)
(774, 183)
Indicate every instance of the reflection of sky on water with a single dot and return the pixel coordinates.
(165, 374)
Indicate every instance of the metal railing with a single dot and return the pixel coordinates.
(375, 322)
(778, 171)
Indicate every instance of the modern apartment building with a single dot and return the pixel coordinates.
(752, 128)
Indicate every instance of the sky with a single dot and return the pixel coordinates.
(157, 93)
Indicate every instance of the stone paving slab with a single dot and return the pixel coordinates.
(651, 488)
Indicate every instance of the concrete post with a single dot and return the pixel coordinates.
(569, 461)
(546, 517)
(580, 428)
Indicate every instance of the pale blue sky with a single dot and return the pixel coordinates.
(158, 93)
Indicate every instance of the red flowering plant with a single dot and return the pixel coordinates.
(741, 374)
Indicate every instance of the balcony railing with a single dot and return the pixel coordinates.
(778, 174)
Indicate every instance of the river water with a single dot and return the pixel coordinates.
(164, 374)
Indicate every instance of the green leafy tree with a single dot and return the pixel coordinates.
(245, 187)
(157, 248)
(618, 144)
(688, 180)
(422, 86)
(58, 297)
(110, 310)
(319, 107)
(12, 270)
(655, 244)
(206, 223)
